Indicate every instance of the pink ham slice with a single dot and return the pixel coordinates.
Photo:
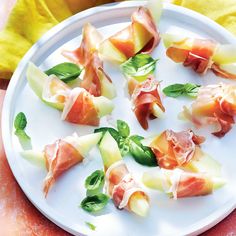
(121, 185)
(175, 149)
(215, 105)
(60, 156)
(188, 184)
(198, 57)
(144, 18)
(143, 97)
(87, 56)
(124, 40)
(80, 109)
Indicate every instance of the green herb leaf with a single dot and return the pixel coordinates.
(123, 128)
(114, 133)
(95, 181)
(142, 154)
(139, 67)
(192, 89)
(94, 203)
(20, 121)
(91, 226)
(66, 71)
(123, 144)
(176, 90)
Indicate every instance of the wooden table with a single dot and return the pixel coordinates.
(19, 217)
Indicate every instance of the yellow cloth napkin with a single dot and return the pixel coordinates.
(221, 11)
(28, 21)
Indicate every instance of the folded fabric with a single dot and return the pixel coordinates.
(28, 21)
(221, 11)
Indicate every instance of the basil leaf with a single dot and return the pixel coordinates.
(123, 128)
(176, 90)
(91, 226)
(123, 144)
(114, 133)
(142, 154)
(192, 89)
(66, 71)
(20, 121)
(94, 203)
(139, 67)
(95, 181)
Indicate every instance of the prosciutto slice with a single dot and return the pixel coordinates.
(195, 53)
(215, 105)
(87, 56)
(175, 149)
(202, 55)
(144, 97)
(80, 109)
(121, 186)
(181, 184)
(143, 17)
(60, 156)
(141, 36)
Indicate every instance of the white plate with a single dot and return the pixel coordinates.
(167, 216)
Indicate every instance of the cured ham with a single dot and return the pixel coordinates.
(78, 105)
(201, 55)
(83, 108)
(121, 186)
(95, 80)
(179, 184)
(141, 36)
(80, 109)
(215, 106)
(175, 149)
(146, 100)
(61, 155)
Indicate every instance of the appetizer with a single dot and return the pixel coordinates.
(146, 101)
(179, 184)
(60, 156)
(95, 80)
(202, 55)
(78, 106)
(121, 186)
(130, 144)
(215, 106)
(141, 36)
(182, 150)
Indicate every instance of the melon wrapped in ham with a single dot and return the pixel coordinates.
(95, 80)
(175, 149)
(146, 101)
(202, 55)
(120, 184)
(61, 155)
(182, 150)
(141, 36)
(179, 184)
(78, 105)
(215, 106)
(80, 108)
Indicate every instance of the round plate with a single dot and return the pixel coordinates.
(167, 216)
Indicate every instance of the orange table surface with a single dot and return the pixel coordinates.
(19, 217)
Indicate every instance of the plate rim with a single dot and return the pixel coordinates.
(193, 229)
